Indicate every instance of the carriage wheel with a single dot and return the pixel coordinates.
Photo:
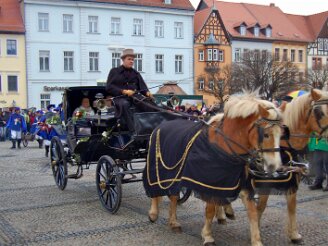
(184, 195)
(109, 184)
(58, 162)
(24, 141)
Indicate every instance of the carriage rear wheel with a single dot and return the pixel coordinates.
(24, 141)
(109, 184)
(184, 195)
(58, 162)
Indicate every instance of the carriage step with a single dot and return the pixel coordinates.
(73, 176)
(135, 171)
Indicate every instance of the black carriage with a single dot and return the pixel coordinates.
(102, 140)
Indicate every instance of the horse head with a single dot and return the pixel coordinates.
(250, 125)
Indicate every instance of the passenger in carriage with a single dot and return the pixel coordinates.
(85, 108)
(122, 83)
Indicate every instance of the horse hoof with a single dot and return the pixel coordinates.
(297, 241)
(210, 244)
(152, 220)
(222, 222)
(177, 229)
(231, 216)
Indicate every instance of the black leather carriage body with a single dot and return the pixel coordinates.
(146, 122)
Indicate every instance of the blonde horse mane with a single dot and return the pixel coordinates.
(245, 105)
(298, 108)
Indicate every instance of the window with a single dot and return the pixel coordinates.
(178, 29)
(277, 54)
(246, 54)
(256, 31)
(93, 24)
(264, 54)
(68, 61)
(320, 43)
(268, 32)
(11, 47)
(257, 55)
(93, 61)
(211, 85)
(178, 63)
(43, 22)
(292, 55)
(137, 27)
(115, 25)
(138, 62)
(12, 83)
(67, 23)
(201, 55)
(237, 55)
(300, 56)
(209, 54)
(242, 30)
(116, 59)
(201, 85)
(159, 63)
(167, 1)
(215, 54)
(325, 44)
(44, 60)
(44, 100)
(159, 29)
(284, 54)
(221, 55)
(316, 63)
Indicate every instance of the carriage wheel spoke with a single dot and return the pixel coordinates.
(102, 176)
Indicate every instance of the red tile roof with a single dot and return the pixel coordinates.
(233, 14)
(11, 20)
(176, 4)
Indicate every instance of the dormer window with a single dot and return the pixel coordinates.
(242, 30)
(167, 1)
(268, 32)
(256, 31)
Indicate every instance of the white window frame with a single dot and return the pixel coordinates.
(68, 61)
(178, 30)
(116, 59)
(178, 63)
(325, 44)
(211, 85)
(16, 47)
(137, 27)
(242, 30)
(115, 25)
(292, 56)
(43, 22)
(320, 44)
(93, 61)
(237, 54)
(256, 31)
(138, 62)
(215, 55)
(302, 56)
(159, 63)
(17, 83)
(268, 32)
(44, 100)
(44, 60)
(221, 55)
(159, 29)
(93, 21)
(67, 23)
(201, 55)
(209, 55)
(201, 85)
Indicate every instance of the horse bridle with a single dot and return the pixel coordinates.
(318, 114)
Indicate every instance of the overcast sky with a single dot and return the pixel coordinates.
(301, 7)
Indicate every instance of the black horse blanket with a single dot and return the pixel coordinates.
(180, 154)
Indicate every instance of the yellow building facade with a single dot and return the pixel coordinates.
(13, 86)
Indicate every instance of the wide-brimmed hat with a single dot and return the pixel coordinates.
(51, 106)
(127, 52)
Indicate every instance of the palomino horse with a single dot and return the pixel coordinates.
(304, 115)
(249, 128)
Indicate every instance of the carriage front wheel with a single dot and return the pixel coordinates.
(24, 140)
(184, 195)
(58, 162)
(109, 184)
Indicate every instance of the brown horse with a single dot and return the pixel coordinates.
(304, 115)
(248, 124)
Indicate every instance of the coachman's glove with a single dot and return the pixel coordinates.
(148, 94)
(128, 93)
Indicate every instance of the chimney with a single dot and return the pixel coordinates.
(272, 5)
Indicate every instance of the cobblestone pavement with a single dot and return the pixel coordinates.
(34, 212)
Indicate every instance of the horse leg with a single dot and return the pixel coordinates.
(252, 217)
(293, 234)
(207, 229)
(174, 224)
(229, 212)
(153, 212)
(220, 215)
(261, 205)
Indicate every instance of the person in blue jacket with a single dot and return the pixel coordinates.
(17, 125)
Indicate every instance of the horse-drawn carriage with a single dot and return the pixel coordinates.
(101, 139)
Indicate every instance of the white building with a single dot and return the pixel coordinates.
(75, 43)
